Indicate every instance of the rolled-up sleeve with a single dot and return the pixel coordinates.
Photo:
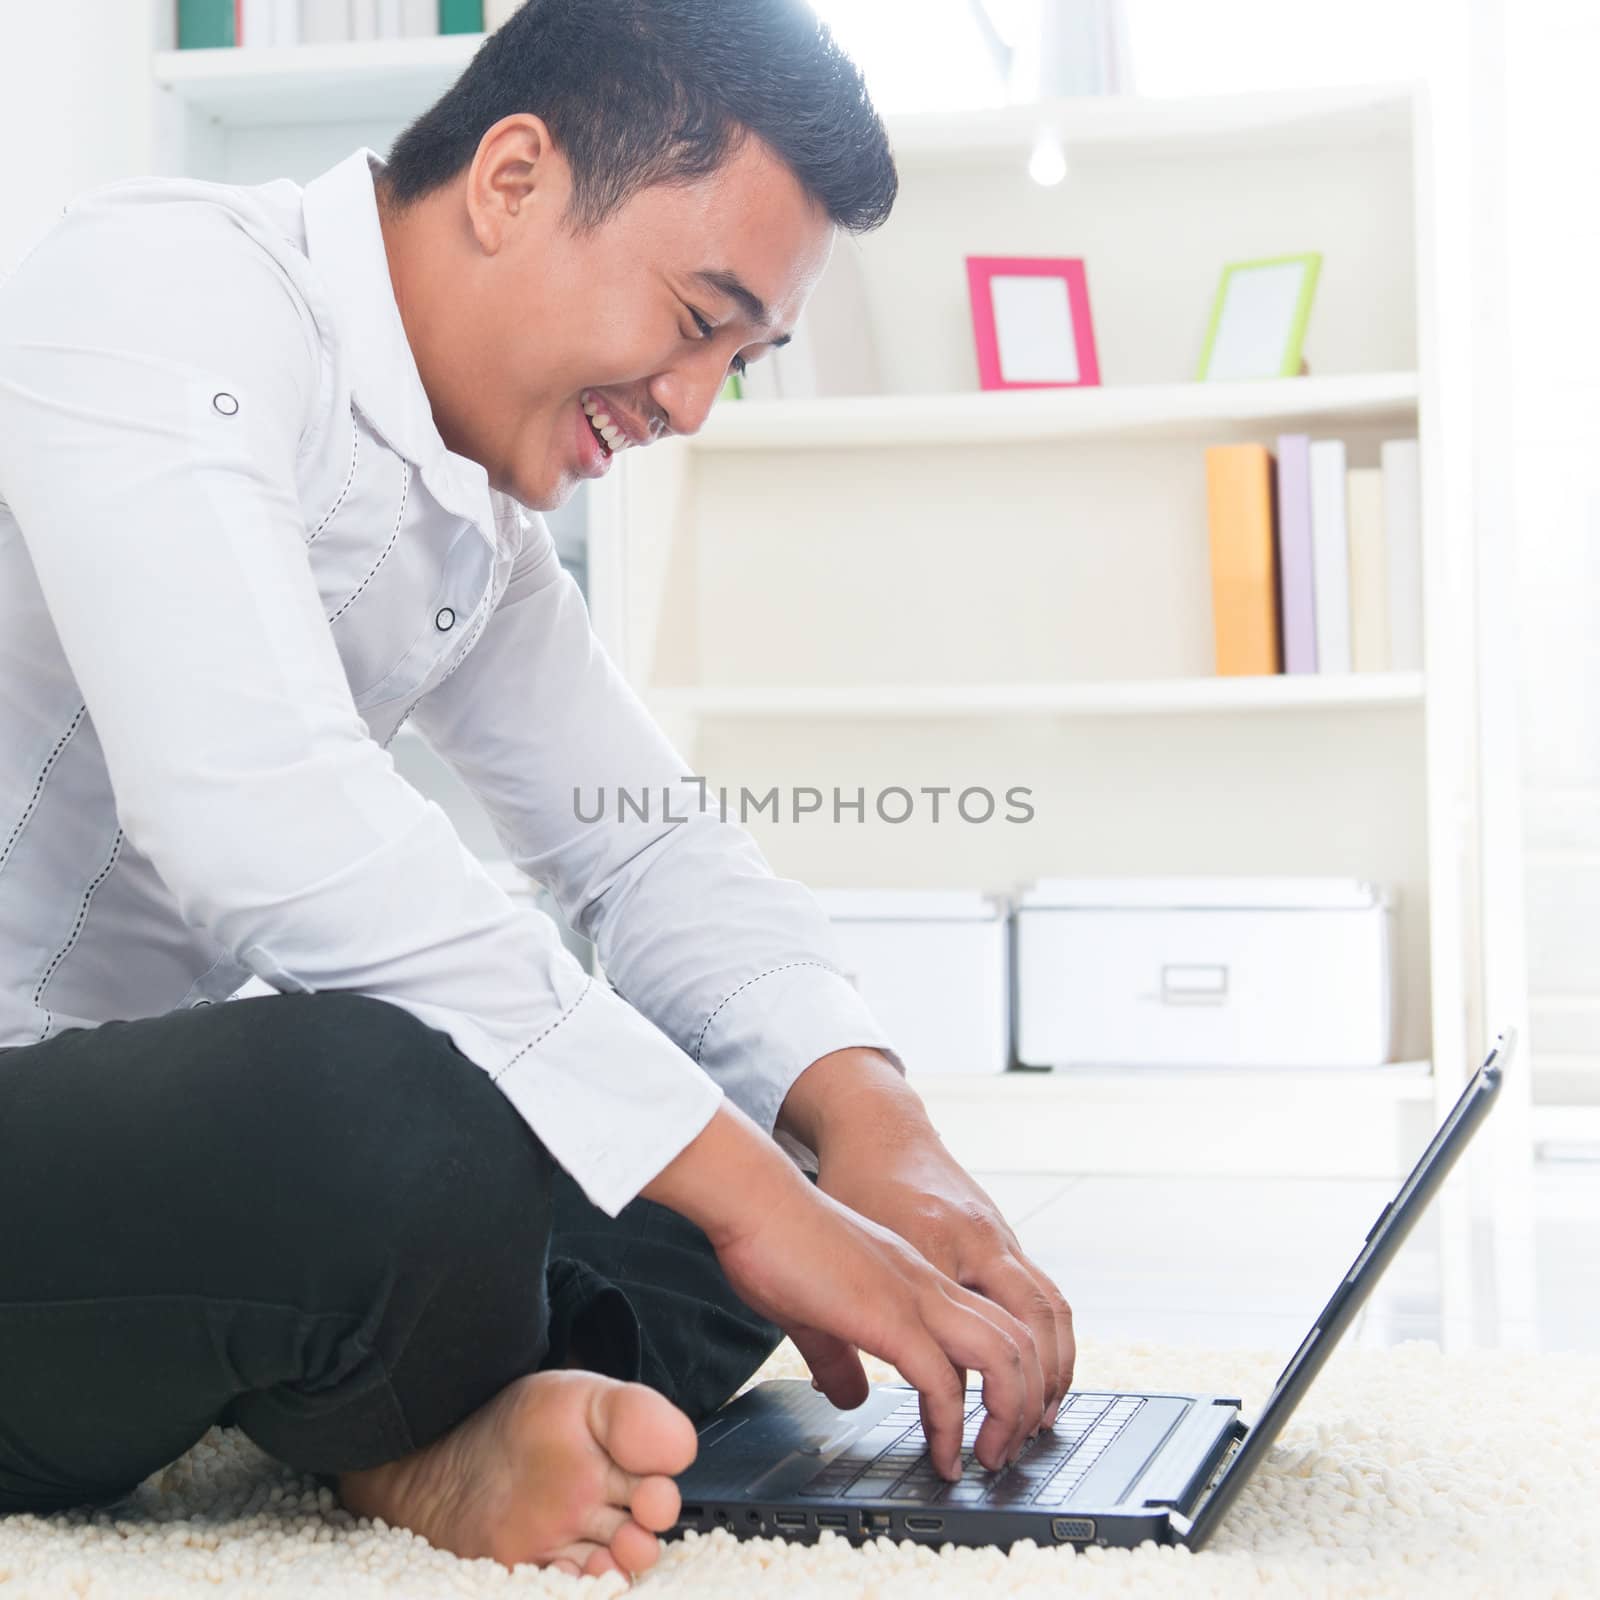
(151, 415)
(740, 967)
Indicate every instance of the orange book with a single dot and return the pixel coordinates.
(1244, 560)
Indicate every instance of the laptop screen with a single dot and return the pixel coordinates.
(1388, 1233)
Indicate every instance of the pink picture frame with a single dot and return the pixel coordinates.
(1031, 334)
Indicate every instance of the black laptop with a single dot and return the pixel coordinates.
(1116, 1469)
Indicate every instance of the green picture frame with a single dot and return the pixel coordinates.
(1246, 345)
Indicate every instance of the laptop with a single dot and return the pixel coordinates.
(1116, 1469)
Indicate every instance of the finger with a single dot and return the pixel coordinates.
(1011, 1281)
(974, 1332)
(835, 1365)
(961, 1376)
(1007, 1282)
(941, 1394)
(1031, 1415)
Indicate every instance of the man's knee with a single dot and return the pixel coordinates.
(375, 1114)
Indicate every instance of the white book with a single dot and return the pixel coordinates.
(389, 19)
(497, 11)
(286, 22)
(324, 21)
(1402, 521)
(1369, 571)
(419, 18)
(256, 24)
(363, 19)
(1330, 555)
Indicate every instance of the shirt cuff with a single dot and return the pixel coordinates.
(613, 1131)
(775, 1025)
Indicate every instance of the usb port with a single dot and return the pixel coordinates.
(833, 1519)
(789, 1519)
(924, 1524)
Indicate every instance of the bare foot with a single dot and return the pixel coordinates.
(561, 1469)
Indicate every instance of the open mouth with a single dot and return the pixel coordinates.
(611, 438)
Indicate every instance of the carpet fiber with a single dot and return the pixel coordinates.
(1404, 1473)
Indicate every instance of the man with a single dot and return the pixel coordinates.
(445, 1220)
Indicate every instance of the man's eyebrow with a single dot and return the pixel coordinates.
(749, 302)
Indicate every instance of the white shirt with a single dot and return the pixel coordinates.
(235, 556)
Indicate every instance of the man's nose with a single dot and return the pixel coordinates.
(688, 398)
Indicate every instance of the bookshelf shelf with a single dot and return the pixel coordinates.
(346, 82)
(1166, 411)
(1155, 698)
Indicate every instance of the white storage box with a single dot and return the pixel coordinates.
(933, 966)
(1270, 972)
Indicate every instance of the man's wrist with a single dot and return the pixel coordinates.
(849, 1088)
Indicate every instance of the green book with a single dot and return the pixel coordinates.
(460, 16)
(205, 24)
(732, 389)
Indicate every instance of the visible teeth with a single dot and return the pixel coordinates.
(613, 435)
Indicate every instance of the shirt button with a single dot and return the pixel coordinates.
(199, 1003)
(445, 621)
(225, 404)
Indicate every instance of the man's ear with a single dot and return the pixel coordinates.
(516, 166)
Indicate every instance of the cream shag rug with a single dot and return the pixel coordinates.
(1403, 1473)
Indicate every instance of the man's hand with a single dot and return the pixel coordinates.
(879, 1155)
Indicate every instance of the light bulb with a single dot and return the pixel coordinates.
(1047, 165)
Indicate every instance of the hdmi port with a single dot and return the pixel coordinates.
(789, 1519)
(924, 1524)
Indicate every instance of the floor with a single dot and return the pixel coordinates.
(1248, 1262)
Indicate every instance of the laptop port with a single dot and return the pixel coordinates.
(924, 1524)
(833, 1519)
(1072, 1528)
(691, 1513)
(789, 1519)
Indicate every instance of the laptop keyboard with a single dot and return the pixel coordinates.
(890, 1461)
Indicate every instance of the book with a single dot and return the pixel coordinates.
(205, 24)
(1244, 565)
(388, 19)
(460, 16)
(363, 19)
(496, 12)
(324, 21)
(1330, 555)
(285, 22)
(1369, 571)
(1297, 598)
(1402, 526)
(419, 19)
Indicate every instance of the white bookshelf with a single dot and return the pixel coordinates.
(1161, 411)
(873, 589)
(1182, 696)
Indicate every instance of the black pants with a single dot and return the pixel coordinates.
(313, 1218)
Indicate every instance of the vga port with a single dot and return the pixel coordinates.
(1072, 1529)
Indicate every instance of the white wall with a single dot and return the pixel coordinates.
(1552, 234)
(74, 106)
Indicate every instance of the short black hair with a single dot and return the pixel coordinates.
(641, 92)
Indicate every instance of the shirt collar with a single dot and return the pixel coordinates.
(345, 243)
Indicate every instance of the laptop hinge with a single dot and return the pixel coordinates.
(1179, 1526)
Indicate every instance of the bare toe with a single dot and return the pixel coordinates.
(599, 1564)
(640, 1430)
(634, 1549)
(655, 1503)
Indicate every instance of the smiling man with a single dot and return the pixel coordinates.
(473, 1235)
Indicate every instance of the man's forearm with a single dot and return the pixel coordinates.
(857, 1087)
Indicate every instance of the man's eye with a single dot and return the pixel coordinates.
(706, 330)
(740, 365)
